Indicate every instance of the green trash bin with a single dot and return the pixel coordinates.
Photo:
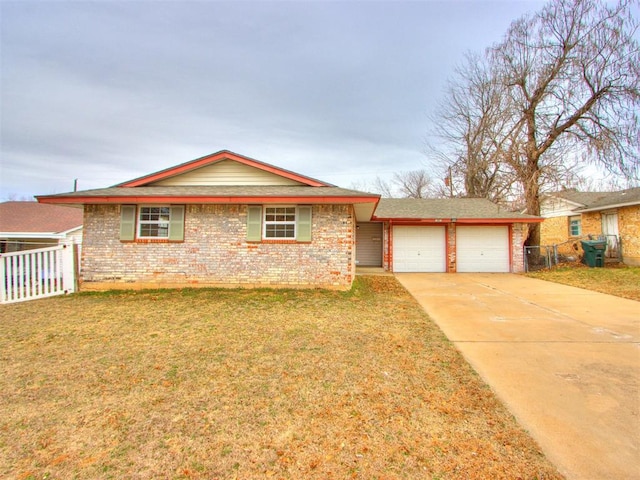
(593, 252)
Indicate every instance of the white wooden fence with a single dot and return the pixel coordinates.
(32, 274)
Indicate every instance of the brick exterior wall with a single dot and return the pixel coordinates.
(629, 230)
(591, 223)
(519, 232)
(215, 252)
(386, 252)
(452, 264)
(554, 230)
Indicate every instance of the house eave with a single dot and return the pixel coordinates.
(364, 206)
(188, 199)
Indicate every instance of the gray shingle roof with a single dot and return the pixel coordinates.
(460, 208)
(631, 196)
(216, 191)
(581, 198)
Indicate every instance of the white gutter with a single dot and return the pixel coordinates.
(51, 235)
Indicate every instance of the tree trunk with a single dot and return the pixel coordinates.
(532, 198)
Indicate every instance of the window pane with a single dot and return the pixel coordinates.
(574, 227)
(160, 230)
(280, 231)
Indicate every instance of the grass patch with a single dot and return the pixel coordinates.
(221, 384)
(615, 279)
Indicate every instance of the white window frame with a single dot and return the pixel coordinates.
(578, 221)
(142, 222)
(266, 223)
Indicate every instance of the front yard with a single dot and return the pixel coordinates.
(614, 279)
(221, 384)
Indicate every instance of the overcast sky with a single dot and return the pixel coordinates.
(106, 91)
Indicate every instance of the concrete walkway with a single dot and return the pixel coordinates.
(565, 361)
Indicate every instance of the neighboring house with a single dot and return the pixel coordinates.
(229, 220)
(31, 225)
(571, 216)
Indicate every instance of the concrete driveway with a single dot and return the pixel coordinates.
(565, 361)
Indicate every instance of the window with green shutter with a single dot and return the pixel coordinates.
(304, 224)
(152, 222)
(254, 223)
(127, 223)
(280, 222)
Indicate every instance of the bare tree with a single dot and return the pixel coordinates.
(414, 184)
(379, 186)
(473, 121)
(570, 75)
(411, 184)
(560, 91)
(383, 187)
(476, 121)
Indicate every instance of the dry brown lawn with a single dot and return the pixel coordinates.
(225, 384)
(615, 279)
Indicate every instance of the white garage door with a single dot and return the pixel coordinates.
(482, 249)
(419, 249)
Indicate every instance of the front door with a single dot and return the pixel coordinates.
(610, 230)
(369, 244)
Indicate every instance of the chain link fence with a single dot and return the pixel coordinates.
(547, 256)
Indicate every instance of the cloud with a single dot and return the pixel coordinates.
(108, 91)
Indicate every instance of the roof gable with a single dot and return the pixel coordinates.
(228, 173)
(223, 168)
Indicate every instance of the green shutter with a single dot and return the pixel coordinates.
(254, 223)
(303, 224)
(176, 223)
(127, 223)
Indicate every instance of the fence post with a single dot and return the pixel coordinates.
(3, 279)
(68, 269)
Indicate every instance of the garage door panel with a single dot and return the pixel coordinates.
(419, 249)
(482, 249)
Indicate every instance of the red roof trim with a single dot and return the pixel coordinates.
(467, 221)
(217, 157)
(206, 200)
(480, 221)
